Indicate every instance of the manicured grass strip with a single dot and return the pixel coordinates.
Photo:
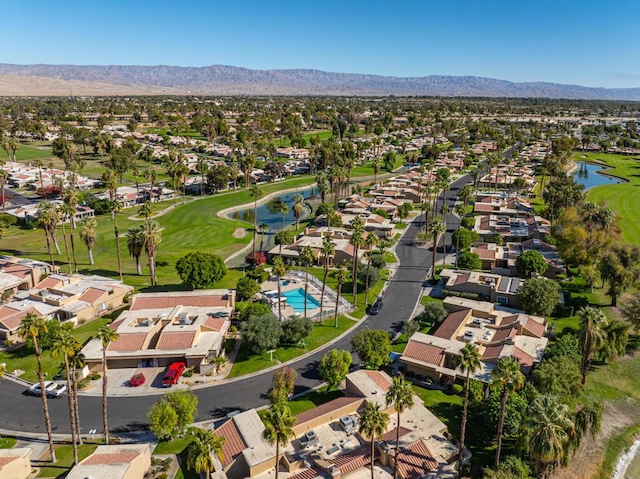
(64, 462)
(313, 399)
(445, 405)
(7, 442)
(247, 362)
(26, 152)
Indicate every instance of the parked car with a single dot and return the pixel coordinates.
(173, 373)
(309, 439)
(376, 307)
(52, 389)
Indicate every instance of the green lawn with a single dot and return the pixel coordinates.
(178, 446)
(313, 399)
(26, 152)
(192, 227)
(64, 456)
(23, 358)
(323, 135)
(445, 405)
(247, 362)
(7, 442)
(624, 198)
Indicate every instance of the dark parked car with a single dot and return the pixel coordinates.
(376, 307)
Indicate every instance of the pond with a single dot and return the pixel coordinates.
(587, 175)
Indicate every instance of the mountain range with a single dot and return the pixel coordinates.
(41, 79)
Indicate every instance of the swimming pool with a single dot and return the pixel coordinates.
(295, 298)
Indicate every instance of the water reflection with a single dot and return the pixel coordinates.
(587, 175)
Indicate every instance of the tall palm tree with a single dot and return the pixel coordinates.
(152, 238)
(202, 168)
(617, 337)
(200, 451)
(106, 335)
(256, 193)
(436, 229)
(357, 241)
(48, 217)
(65, 345)
(39, 164)
(116, 207)
(373, 423)
(327, 251)
(33, 327)
(400, 395)
(341, 277)
(458, 210)
(551, 428)
(70, 208)
(88, 234)
(279, 269)
(298, 208)
(63, 218)
(446, 209)
(263, 229)
(591, 335)
(279, 206)
(135, 245)
(468, 362)
(76, 362)
(307, 257)
(4, 176)
(278, 422)
(507, 378)
(371, 241)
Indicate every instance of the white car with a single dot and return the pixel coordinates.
(52, 389)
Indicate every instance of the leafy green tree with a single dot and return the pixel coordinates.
(246, 288)
(511, 468)
(372, 347)
(468, 260)
(218, 177)
(400, 395)
(620, 268)
(630, 308)
(163, 420)
(538, 296)
(261, 333)
(565, 346)
(334, 367)
(411, 327)
(558, 376)
(282, 385)
(278, 422)
(200, 451)
(173, 413)
(506, 378)
(434, 313)
(295, 329)
(249, 310)
(464, 238)
(531, 262)
(468, 362)
(373, 423)
(198, 270)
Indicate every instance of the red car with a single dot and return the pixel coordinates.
(174, 371)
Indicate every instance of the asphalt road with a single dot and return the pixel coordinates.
(22, 413)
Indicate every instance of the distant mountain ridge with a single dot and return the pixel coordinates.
(230, 80)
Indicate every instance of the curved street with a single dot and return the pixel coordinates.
(22, 413)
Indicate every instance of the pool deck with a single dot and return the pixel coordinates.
(329, 303)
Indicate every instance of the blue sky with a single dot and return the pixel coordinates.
(586, 42)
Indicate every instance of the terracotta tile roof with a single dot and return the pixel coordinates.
(380, 379)
(311, 473)
(48, 283)
(504, 334)
(391, 435)
(115, 458)
(507, 320)
(484, 253)
(415, 460)
(215, 323)
(7, 460)
(483, 207)
(426, 353)
(534, 327)
(451, 324)
(523, 358)
(114, 325)
(325, 408)
(462, 278)
(92, 295)
(233, 444)
(155, 302)
(355, 459)
(493, 352)
(176, 340)
(128, 342)
(14, 320)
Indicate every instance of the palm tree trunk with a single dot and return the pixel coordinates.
(76, 411)
(395, 457)
(71, 411)
(433, 256)
(115, 232)
(43, 394)
(366, 279)
(463, 427)
(55, 242)
(152, 269)
(66, 248)
(73, 251)
(335, 316)
(90, 256)
(324, 283)
(373, 445)
(138, 267)
(282, 230)
(306, 288)
(503, 405)
(255, 228)
(354, 276)
(279, 300)
(277, 456)
(104, 396)
(46, 234)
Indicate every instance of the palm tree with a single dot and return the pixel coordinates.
(202, 168)
(307, 257)
(200, 451)
(400, 395)
(63, 209)
(106, 335)
(617, 337)
(263, 229)
(279, 269)
(279, 206)
(357, 241)
(116, 207)
(256, 193)
(468, 362)
(444, 211)
(77, 361)
(373, 423)
(64, 344)
(278, 422)
(88, 234)
(458, 210)
(4, 176)
(152, 238)
(69, 208)
(48, 219)
(436, 228)
(507, 378)
(298, 208)
(33, 327)
(371, 241)
(135, 245)
(591, 335)
(551, 429)
(38, 164)
(328, 251)
(341, 277)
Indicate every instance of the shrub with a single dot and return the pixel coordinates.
(188, 373)
(95, 376)
(246, 288)
(83, 383)
(468, 260)
(248, 310)
(457, 388)
(377, 261)
(198, 270)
